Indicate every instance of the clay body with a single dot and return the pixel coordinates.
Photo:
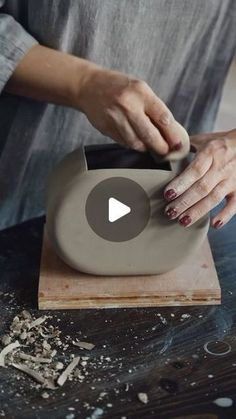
(160, 247)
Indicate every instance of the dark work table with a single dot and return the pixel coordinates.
(184, 358)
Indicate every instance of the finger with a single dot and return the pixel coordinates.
(195, 193)
(114, 134)
(183, 151)
(124, 133)
(173, 133)
(131, 139)
(148, 134)
(226, 213)
(195, 171)
(202, 207)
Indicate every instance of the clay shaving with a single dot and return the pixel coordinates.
(34, 358)
(43, 350)
(37, 322)
(37, 377)
(63, 377)
(83, 345)
(6, 351)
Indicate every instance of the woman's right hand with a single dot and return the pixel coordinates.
(121, 107)
(128, 111)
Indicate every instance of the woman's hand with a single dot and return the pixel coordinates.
(127, 110)
(119, 106)
(209, 179)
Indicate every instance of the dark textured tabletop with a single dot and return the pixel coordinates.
(184, 359)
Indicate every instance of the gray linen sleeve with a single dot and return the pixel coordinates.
(14, 44)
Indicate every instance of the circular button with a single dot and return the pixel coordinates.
(117, 209)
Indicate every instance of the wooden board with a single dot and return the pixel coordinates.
(61, 287)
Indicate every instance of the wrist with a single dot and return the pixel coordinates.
(52, 76)
(231, 133)
(84, 72)
(230, 138)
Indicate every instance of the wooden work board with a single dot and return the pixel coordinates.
(61, 287)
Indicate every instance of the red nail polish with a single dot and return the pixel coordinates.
(170, 194)
(171, 213)
(176, 147)
(218, 224)
(185, 221)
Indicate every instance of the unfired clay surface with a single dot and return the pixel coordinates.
(160, 247)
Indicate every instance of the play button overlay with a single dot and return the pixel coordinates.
(117, 209)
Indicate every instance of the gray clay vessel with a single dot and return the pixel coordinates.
(160, 247)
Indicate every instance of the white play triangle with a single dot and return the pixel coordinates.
(117, 210)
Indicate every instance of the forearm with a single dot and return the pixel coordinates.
(48, 75)
(119, 106)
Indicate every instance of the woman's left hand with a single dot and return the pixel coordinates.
(209, 178)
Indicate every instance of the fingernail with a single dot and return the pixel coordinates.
(185, 221)
(218, 224)
(170, 194)
(171, 213)
(177, 147)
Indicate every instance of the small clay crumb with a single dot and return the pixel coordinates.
(59, 366)
(23, 335)
(37, 322)
(102, 395)
(83, 363)
(84, 345)
(185, 316)
(45, 395)
(6, 340)
(143, 398)
(46, 345)
(26, 315)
